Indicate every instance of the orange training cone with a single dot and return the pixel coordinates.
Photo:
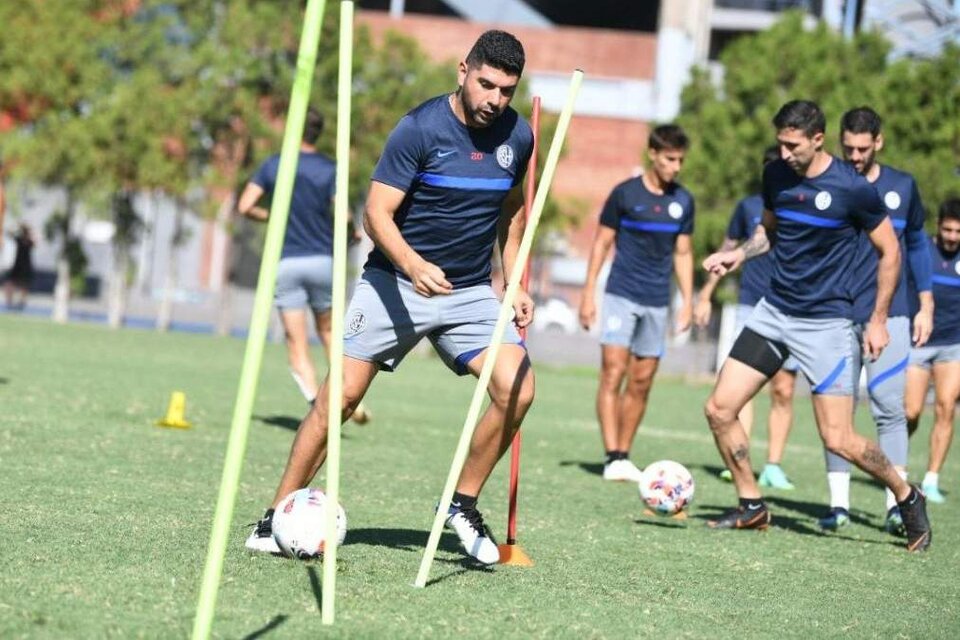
(513, 554)
(175, 411)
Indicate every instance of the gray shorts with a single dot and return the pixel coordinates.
(825, 348)
(743, 313)
(925, 357)
(387, 318)
(303, 281)
(628, 324)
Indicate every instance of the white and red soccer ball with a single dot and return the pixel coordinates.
(299, 524)
(666, 487)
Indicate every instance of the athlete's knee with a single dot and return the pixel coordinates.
(611, 375)
(640, 383)
(837, 440)
(781, 391)
(944, 412)
(720, 415)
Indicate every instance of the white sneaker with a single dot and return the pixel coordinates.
(621, 471)
(468, 523)
(261, 538)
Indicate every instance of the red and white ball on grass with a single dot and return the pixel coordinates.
(666, 487)
(299, 524)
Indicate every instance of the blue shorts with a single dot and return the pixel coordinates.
(743, 313)
(387, 318)
(628, 324)
(926, 356)
(825, 348)
(303, 281)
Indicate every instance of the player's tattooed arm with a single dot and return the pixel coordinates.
(761, 241)
(723, 262)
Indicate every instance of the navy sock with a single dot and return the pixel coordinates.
(463, 502)
(752, 504)
(616, 455)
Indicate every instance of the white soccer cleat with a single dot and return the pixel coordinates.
(468, 523)
(261, 538)
(621, 471)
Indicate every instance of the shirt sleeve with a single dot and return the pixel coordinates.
(400, 162)
(524, 159)
(686, 225)
(866, 208)
(769, 186)
(737, 229)
(266, 175)
(918, 256)
(610, 214)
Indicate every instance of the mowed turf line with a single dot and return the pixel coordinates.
(106, 516)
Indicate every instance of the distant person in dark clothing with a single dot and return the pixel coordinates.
(20, 276)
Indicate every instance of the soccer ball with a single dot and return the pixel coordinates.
(298, 524)
(666, 487)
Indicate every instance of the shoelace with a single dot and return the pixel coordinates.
(475, 519)
(264, 527)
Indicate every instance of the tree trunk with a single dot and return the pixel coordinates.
(61, 290)
(165, 313)
(117, 303)
(221, 277)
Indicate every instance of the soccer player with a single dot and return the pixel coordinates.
(305, 272)
(754, 282)
(861, 140)
(941, 355)
(815, 206)
(651, 220)
(444, 191)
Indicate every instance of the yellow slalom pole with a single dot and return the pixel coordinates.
(344, 88)
(253, 356)
(506, 315)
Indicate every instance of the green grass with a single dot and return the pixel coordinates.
(106, 516)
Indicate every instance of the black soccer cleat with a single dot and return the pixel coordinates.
(915, 521)
(742, 518)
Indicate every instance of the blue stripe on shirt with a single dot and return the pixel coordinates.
(946, 280)
(898, 223)
(457, 182)
(805, 218)
(660, 227)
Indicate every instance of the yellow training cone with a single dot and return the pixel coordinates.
(175, 411)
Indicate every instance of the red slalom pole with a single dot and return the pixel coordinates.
(511, 553)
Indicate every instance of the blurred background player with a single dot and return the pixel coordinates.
(17, 282)
(940, 357)
(305, 271)
(754, 281)
(861, 140)
(651, 220)
(444, 191)
(815, 208)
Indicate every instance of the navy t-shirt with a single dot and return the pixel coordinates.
(901, 199)
(310, 223)
(647, 227)
(755, 274)
(946, 295)
(455, 179)
(818, 223)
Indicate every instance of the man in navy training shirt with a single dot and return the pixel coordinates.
(815, 207)
(861, 140)
(650, 218)
(445, 190)
(305, 271)
(754, 281)
(941, 355)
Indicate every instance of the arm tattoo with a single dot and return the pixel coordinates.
(758, 244)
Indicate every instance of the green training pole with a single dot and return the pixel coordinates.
(250, 373)
(335, 408)
(505, 316)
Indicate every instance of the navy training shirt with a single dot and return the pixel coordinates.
(946, 295)
(818, 223)
(310, 223)
(901, 199)
(755, 274)
(455, 179)
(647, 227)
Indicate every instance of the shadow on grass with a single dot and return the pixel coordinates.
(316, 586)
(593, 468)
(815, 510)
(666, 523)
(286, 422)
(711, 469)
(4, 381)
(267, 628)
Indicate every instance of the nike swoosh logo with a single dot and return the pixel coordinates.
(753, 507)
(456, 504)
(444, 154)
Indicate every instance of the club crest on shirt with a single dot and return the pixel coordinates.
(675, 210)
(356, 324)
(505, 156)
(892, 200)
(823, 200)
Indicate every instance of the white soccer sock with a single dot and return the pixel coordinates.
(892, 499)
(931, 479)
(839, 482)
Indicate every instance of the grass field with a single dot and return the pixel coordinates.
(106, 517)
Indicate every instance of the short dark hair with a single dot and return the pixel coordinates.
(804, 115)
(861, 120)
(668, 136)
(771, 154)
(949, 210)
(498, 49)
(313, 126)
